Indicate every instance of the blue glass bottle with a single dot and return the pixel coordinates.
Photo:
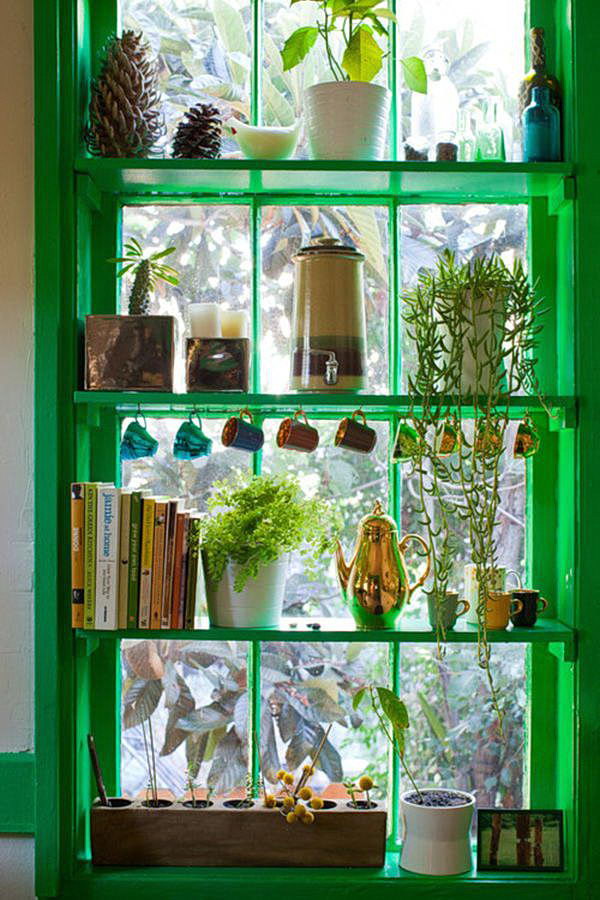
(541, 128)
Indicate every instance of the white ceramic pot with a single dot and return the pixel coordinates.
(437, 839)
(485, 318)
(347, 120)
(257, 605)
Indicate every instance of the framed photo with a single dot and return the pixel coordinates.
(520, 840)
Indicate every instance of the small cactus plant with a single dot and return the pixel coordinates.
(147, 270)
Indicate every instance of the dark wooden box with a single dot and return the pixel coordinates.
(129, 353)
(222, 836)
(217, 364)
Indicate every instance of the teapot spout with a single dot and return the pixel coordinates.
(343, 568)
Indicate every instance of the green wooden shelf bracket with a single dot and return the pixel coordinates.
(90, 191)
(561, 195)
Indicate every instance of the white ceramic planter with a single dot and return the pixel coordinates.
(437, 839)
(347, 120)
(258, 605)
(484, 319)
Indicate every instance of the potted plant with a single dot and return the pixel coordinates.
(437, 821)
(133, 352)
(347, 118)
(252, 527)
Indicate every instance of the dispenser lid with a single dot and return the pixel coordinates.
(329, 247)
(377, 522)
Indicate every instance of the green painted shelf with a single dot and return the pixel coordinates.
(408, 631)
(410, 181)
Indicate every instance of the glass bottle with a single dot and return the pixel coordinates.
(538, 75)
(541, 128)
(436, 112)
(490, 136)
(466, 138)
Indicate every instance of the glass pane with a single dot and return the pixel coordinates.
(194, 696)
(287, 228)
(478, 50)
(304, 689)
(212, 257)
(203, 49)
(351, 481)
(469, 230)
(454, 739)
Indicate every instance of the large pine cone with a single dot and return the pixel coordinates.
(198, 135)
(125, 113)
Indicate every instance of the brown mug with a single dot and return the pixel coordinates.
(532, 605)
(353, 436)
(499, 608)
(295, 435)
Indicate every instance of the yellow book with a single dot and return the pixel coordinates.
(146, 559)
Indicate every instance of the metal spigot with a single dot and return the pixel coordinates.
(331, 366)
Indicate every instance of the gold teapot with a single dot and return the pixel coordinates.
(375, 583)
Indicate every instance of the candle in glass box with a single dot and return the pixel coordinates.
(205, 320)
(234, 323)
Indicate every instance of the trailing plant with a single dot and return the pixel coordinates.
(147, 270)
(475, 328)
(254, 521)
(354, 22)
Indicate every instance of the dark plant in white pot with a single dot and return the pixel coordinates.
(437, 821)
(347, 118)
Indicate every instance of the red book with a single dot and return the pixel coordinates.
(179, 580)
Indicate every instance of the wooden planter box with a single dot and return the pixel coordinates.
(129, 353)
(223, 836)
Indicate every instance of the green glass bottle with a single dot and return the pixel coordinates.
(538, 75)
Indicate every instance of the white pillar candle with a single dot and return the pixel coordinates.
(205, 320)
(234, 323)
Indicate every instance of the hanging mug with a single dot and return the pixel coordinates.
(446, 441)
(527, 440)
(488, 438)
(190, 440)
(353, 435)
(295, 435)
(406, 444)
(241, 434)
(136, 442)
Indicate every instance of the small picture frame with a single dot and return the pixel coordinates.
(520, 840)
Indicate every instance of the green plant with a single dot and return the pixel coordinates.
(392, 716)
(254, 521)
(147, 270)
(355, 22)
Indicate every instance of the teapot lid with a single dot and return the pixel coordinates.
(377, 522)
(329, 247)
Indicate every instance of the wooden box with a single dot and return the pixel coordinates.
(129, 353)
(217, 364)
(224, 836)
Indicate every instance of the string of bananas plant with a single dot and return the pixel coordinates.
(475, 327)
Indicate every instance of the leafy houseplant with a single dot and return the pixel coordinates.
(347, 118)
(437, 821)
(133, 352)
(252, 527)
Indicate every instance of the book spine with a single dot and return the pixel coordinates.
(77, 563)
(135, 535)
(158, 563)
(148, 504)
(177, 567)
(169, 560)
(192, 573)
(89, 555)
(124, 560)
(184, 575)
(107, 557)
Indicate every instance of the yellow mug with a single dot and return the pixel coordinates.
(499, 608)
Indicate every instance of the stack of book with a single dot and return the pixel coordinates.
(134, 559)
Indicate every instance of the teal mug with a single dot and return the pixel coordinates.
(190, 440)
(136, 442)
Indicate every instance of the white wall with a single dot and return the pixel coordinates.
(16, 410)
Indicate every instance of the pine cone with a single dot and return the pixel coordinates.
(139, 299)
(198, 135)
(125, 113)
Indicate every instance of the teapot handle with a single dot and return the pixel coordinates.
(402, 546)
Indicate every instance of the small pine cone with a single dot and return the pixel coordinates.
(139, 299)
(198, 135)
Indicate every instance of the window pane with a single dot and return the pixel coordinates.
(203, 48)
(454, 739)
(305, 688)
(352, 481)
(187, 687)
(212, 257)
(481, 49)
(285, 229)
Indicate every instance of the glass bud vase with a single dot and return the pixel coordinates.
(541, 128)
(490, 136)
(466, 138)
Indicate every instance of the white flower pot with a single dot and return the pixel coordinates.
(257, 605)
(485, 320)
(437, 839)
(347, 120)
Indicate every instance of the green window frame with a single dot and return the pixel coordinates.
(78, 202)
